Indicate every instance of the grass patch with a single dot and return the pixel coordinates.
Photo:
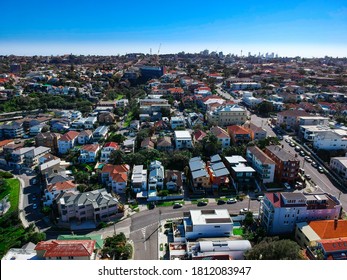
(198, 200)
(237, 231)
(11, 188)
(169, 203)
(129, 118)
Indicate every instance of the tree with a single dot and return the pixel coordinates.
(117, 248)
(275, 249)
(82, 177)
(264, 108)
(117, 157)
(211, 145)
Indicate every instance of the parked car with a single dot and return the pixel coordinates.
(320, 169)
(177, 205)
(34, 206)
(308, 159)
(299, 185)
(220, 202)
(231, 201)
(297, 149)
(287, 140)
(308, 176)
(314, 164)
(260, 197)
(292, 144)
(287, 186)
(202, 203)
(151, 206)
(244, 210)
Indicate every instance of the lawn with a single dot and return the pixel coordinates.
(13, 191)
(169, 203)
(198, 200)
(237, 231)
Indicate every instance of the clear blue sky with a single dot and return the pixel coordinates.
(307, 28)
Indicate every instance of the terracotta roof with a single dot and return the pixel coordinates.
(147, 143)
(199, 135)
(219, 132)
(236, 129)
(332, 245)
(90, 148)
(61, 186)
(327, 229)
(119, 177)
(66, 248)
(5, 142)
(109, 168)
(68, 136)
(164, 142)
(111, 144)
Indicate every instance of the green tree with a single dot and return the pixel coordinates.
(82, 177)
(117, 248)
(275, 249)
(117, 157)
(211, 145)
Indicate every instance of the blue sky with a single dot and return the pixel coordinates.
(306, 28)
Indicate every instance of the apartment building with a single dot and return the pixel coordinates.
(290, 118)
(139, 179)
(280, 212)
(88, 153)
(339, 165)
(331, 140)
(287, 164)
(262, 163)
(49, 140)
(177, 122)
(238, 134)
(94, 206)
(67, 141)
(227, 115)
(183, 139)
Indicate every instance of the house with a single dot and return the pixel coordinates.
(147, 143)
(287, 165)
(195, 119)
(115, 176)
(18, 157)
(100, 133)
(36, 129)
(99, 242)
(139, 179)
(75, 115)
(207, 224)
(93, 206)
(198, 135)
(50, 167)
(88, 153)
(60, 125)
(219, 174)
(67, 141)
(49, 140)
(183, 139)
(256, 132)
(262, 163)
(333, 249)
(156, 176)
(280, 212)
(227, 115)
(3, 143)
(27, 157)
(177, 122)
(165, 144)
(238, 134)
(218, 249)
(107, 118)
(106, 151)
(222, 136)
(199, 176)
(339, 165)
(242, 176)
(173, 180)
(307, 234)
(66, 250)
(84, 137)
(53, 190)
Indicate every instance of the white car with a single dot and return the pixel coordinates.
(287, 186)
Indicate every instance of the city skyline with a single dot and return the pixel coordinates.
(299, 28)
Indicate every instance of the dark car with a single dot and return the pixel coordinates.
(202, 203)
(151, 206)
(177, 205)
(221, 202)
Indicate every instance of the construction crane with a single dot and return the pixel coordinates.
(159, 49)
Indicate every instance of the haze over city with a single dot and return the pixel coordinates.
(293, 28)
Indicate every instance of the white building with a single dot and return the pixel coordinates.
(227, 115)
(156, 176)
(107, 150)
(139, 179)
(207, 223)
(331, 140)
(241, 86)
(279, 212)
(249, 100)
(183, 139)
(339, 165)
(262, 163)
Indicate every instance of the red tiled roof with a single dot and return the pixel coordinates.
(86, 132)
(112, 144)
(236, 129)
(327, 229)
(68, 136)
(337, 244)
(66, 248)
(109, 168)
(199, 135)
(61, 186)
(5, 142)
(119, 177)
(90, 147)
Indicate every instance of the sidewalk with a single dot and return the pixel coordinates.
(21, 203)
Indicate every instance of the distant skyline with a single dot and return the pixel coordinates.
(293, 28)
